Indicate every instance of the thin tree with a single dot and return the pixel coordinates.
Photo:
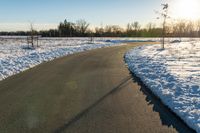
(164, 15)
(136, 26)
(30, 38)
(32, 35)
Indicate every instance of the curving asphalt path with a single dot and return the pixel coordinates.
(89, 92)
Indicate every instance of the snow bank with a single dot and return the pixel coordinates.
(173, 75)
(15, 56)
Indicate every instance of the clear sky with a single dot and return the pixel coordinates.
(16, 14)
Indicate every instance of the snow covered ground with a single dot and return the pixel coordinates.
(15, 57)
(173, 75)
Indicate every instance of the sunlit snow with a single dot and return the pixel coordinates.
(173, 75)
(15, 57)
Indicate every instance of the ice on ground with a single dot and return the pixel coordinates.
(173, 75)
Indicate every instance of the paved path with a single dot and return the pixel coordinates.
(90, 92)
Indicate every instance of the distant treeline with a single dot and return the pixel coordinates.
(181, 28)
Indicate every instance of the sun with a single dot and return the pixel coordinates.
(186, 9)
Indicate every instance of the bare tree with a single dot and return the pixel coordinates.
(30, 39)
(82, 26)
(99, 31)
(190, 28)
(164, 15)
(198, 28)
(111, 30)
(128, 28)
(150, 27)
(181, 28)
(136, 26)
(32, 36)
(117, 29)
(133, 28)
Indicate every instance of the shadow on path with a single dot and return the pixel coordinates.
(167, 117)
(82, 113)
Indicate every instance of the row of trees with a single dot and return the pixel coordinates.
(69, 29)
(180, 28)
(183, 28)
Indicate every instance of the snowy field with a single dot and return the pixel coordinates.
(173, 75)
(15, 57)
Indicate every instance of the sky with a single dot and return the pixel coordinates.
(44, 14)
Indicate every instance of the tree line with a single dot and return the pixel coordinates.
(179, 28)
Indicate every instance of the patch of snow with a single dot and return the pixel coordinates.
(173, 75)
(16, 56)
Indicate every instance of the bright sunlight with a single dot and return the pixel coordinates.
(186, 9)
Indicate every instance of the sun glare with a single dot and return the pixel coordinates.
(186, 9)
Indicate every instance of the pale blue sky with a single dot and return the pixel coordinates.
(96, 12)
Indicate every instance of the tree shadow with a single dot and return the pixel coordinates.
(85, 111)
(167, 117)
